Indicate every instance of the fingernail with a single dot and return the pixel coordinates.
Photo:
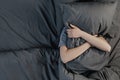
(71, 25)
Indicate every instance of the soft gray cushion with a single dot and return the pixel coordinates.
(94, 18)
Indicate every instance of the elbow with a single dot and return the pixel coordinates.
(64, 56)
(64, 60)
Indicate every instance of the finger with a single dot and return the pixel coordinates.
(73, 26)
(68, 30)
(70, 36)
(101, 37)
(95, 35)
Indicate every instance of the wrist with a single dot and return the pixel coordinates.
(82, 34)
(89, 45)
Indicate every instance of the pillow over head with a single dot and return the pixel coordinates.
(92, 17)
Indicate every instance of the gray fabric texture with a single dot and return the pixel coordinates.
(93, 18)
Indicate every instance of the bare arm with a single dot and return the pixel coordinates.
(99, 43)
(70, 54)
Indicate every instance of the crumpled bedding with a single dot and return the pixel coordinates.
(29, 64)
(93, 18)
(23, 24)
(112, 68)
(29, 36)
(91, 60)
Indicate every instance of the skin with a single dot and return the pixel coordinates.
(92, 40)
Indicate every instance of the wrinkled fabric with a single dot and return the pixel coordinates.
(94, 18)
(91, 17)
(93, 59)
(29, 52)
(29, 64)
(23, 24)
(112, 68)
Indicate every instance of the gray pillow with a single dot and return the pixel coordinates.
(94, 18)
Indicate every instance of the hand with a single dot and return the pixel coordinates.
(95, 35)
(74, 32)
(102, 38)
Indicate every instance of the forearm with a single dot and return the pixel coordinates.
(96, 41)
(70, 54)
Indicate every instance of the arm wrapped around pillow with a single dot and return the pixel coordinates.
(93, 18)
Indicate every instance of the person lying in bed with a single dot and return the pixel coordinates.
(92, 40)
(83, 46)
(69, 54)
